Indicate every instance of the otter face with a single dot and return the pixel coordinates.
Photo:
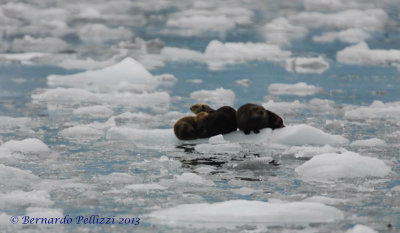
(275, 121)
(197, 108)
(259, 112)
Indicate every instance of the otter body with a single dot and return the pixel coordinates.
(220, 121)
(253, 117)
(186, 128)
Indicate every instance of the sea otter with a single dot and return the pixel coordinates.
(253, 117)
(197, 108)
(186, 128)
(220, 121)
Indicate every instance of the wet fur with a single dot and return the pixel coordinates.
(186, 128)
(220, 121)
(252, 117)
(197, 108)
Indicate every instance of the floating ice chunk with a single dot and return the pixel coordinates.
(298, 135)
(281, 108)
(98, 33)
(279, 31)
(94, 111)
(361, 229)
(144, 187)
(192, 179)
(333, 166)
(351, 36)
(325, 200)
(377, 110)
(166, 79)
(82, 132)
(363, 55)
(372, 142)
(13, 122)
(218, 54)
(29, 145)
(310, 151)
(11, 177)
(75, 96)
(370, 19)
(24, 58)
(335, 5)
(396, 188)
(39, 212)
(245, 191)
(137, 119)
(198, 25)
(244, 82)
(127, 71)
(300, 89)
(147, 138)
(306, 65)
(30, 44)
(231, 214)
(116, 178)
(20, 199)
(218, 97)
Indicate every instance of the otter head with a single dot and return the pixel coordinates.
(197, 108)
(275, 121)
(259, 112)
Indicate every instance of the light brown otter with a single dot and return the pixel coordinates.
(253, 117)
(197, 108)
(186, 128)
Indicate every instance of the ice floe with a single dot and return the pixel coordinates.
(231, 214)
(279, 31)
(311, 151)
(377, 110)
(21, 199)
(128, 71)
(359, 228)
(144, 187)
(30, 44)
(11, 177)
(218, 54)
(29, 145)
(192, 179)
(363, 55)
(372, 142)
(218, 145)
(325, 200)
(94, 111)
(300, 89)
(369, 19)
(217, 97)
(291, 135)
(332, 166)
(351, 36)
(306, 65)
(99, 33)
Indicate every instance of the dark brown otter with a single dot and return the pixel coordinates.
(186, 128)
(197, 108)
(220, 121)
(253, 117)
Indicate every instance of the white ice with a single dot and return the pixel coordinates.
(307, 65)
(94, 111)
(359, 228)
(231, 214)
(377, 110)
(351, 36)
(217, 97)
(29, 145)
(363, 55)
(372, 142)
(332, 166)
(20, 199)
(300, 89)
(280, 31)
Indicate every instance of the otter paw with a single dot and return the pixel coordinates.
(256, 131)
(246, 132)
